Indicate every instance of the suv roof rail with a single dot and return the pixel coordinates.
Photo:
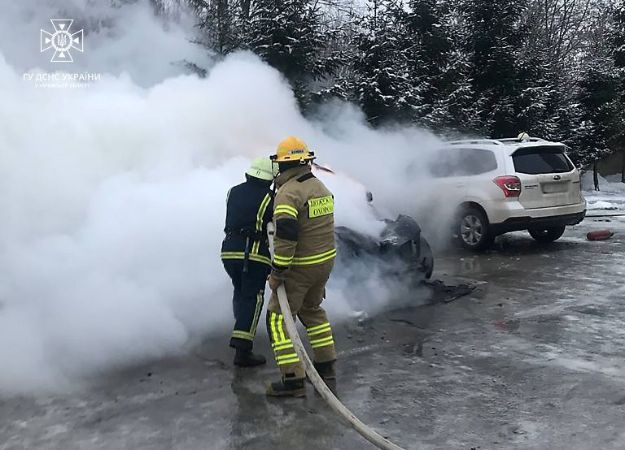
(502, 141)
(517, 140)
(475, 141)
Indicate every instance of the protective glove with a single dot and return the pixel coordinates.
(274, 281)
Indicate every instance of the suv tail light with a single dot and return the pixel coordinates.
(510, 185)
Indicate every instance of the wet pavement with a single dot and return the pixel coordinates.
(532, 358)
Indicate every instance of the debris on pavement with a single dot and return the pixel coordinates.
(443, 293)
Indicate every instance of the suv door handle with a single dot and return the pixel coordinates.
(461, 185)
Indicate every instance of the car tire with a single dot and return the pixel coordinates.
(547, 235)
(473, 230)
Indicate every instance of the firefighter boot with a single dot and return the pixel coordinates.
(288, 386)
(327, 372)
(245, 358)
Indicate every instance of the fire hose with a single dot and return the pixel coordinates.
(323, 390)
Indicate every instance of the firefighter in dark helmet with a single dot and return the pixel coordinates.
(304, 252)
(245, 255)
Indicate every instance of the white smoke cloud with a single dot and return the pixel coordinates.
(112, 197)
(121, 37)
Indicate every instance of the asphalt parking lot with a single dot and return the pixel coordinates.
(531, 359)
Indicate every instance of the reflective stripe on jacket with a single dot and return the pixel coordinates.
(249, 210)
(304, 220)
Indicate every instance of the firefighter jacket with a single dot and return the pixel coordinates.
(304, 220)
(249, 210)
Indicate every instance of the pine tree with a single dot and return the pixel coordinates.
(494, 37)
(540, 99)
(341, 54)
(427, 55)
(382, 84)
(617, 53)
(617, 35)
(219, 21)
(453, 111)
(288, 35)
(598, 95)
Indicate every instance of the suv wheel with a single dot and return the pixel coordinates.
(473, 231)
(547, 235)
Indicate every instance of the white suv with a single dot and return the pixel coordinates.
(501, 185)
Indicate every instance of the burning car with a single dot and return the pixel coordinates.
(398, 249)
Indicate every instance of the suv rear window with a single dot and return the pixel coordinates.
(462, 162)
(539, 160)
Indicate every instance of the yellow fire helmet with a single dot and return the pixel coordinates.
(293, 149)
(262, 168)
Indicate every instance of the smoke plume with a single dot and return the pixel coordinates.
(112, 196)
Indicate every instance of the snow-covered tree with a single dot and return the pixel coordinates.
(598, 95)
(426, 51)
(382, 83)
(617, 53)
(288, 35)
(552, 68)
(617, 35)
(452, 109)
(494, 37)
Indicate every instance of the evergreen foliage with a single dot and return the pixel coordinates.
(492, 68)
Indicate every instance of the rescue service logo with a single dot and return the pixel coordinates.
(61, 40)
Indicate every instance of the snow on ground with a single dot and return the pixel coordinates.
(609, 185)
(611, 197)
(602, 204)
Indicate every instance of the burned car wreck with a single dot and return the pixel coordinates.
(401, 251)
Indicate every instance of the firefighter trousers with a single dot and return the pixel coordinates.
(247, 300)
(305, 289)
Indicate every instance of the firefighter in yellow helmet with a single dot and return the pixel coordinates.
(304, 252)
(245, 255)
